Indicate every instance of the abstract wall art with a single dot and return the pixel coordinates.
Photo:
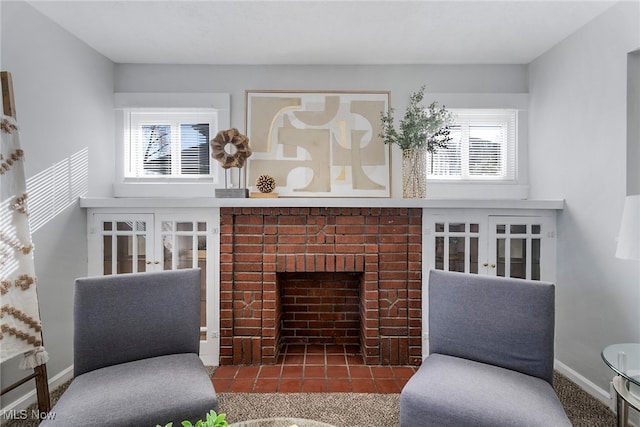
(319, 144)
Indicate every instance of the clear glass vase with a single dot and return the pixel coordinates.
(414, 173)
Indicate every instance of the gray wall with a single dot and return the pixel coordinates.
(64, 94)
(633, 122)
(577, 145)
(401, 80)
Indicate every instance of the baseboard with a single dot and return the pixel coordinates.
(585, 384)
(23, 402)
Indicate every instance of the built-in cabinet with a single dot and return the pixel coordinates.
(162, 239)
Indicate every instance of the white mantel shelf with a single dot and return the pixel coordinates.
(212, 202)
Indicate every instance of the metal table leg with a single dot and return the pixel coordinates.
(623, 399)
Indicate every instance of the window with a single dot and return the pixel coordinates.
(162, 143)
(483, 147)
(171, 143)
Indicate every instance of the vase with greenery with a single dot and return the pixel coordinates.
(422, 130)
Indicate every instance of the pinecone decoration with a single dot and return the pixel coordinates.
(265, 183)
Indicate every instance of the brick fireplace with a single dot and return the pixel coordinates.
(320, 275)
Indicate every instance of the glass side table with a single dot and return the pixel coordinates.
(624, 359)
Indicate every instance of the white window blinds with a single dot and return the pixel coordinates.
(169, 143)
(483, 147)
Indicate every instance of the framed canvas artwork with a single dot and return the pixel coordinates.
(318, 144)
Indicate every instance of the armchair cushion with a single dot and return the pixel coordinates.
(451, 391)
(143, 393)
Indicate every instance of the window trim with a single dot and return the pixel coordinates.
(478, 190)
(507, 117)
(171, 117)
(165, 186)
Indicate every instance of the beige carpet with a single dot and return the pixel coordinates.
(339, 409)
(368, 410)
(364, 409)
(582, 409)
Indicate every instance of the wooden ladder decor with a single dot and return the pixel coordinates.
(39, 372)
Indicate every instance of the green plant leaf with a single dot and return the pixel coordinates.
(221, 421)
(420, 127)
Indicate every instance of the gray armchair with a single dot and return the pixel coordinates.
(136, 344)
(490, 357)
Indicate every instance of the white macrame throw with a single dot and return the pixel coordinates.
(20, 327)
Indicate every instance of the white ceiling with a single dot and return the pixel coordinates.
(322, 32)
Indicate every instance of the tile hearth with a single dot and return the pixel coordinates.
(313, 368)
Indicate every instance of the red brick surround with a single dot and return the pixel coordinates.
(383, 245)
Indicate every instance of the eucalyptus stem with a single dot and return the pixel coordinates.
(420, 127)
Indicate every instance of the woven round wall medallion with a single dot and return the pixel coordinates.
(234, 157)
(265, 183)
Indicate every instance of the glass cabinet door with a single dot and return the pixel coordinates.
(517, 246)
(457, 245)
(126, 243)
(185, 245)
(188, 240)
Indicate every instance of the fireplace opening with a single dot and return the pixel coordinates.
(319, 308)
